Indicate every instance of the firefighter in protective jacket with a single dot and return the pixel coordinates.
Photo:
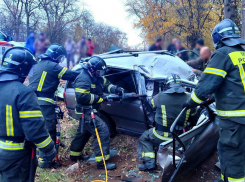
(89, 87)
(21, 118)
(225, 77)
(168, 105)
(44, 80)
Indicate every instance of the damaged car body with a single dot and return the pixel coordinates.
(145, 73)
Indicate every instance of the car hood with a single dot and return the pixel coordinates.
(152, 65)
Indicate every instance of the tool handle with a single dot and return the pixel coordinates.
(176, 120)
(82, 123)
(32, 165)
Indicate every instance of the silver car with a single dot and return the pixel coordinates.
(144, 74)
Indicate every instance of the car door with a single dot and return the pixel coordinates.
(128, 115)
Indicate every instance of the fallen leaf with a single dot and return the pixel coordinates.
(134, 159)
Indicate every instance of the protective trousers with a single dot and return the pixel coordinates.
(14, 169)
(81, 138)
(49, 115)
(148, 140)
(231, 148)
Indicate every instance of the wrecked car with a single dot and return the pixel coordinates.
(144, 74)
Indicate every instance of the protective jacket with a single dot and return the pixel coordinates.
(168, 105)
(225, 77)
(20, 118)
(167, 110)
(89, 89)
(45, 77)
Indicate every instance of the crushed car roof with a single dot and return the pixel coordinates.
(154, 66)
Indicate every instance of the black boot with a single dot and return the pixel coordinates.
(80, 158)
(218, 180)
(85, 157)
(109, 166)
(55, 165)
(148, 165)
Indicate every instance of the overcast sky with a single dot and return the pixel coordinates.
(113, 12)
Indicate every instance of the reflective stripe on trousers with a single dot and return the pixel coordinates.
(148, 154)
(73, 153)
(233, 179)
(165, 137)
(99, 158)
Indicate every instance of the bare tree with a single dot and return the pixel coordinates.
(231, 10)
(30, 6)
(59, 16)
(13, 10)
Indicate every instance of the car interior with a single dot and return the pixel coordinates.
(122, 78)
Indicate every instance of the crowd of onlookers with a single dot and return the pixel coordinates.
(39, 45)
(197, 58)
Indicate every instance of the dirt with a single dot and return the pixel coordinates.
(126, 161)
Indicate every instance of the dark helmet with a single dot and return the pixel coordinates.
(228, 33)
(97, 66)
(55, 51)
(174, 84)
(18, 60)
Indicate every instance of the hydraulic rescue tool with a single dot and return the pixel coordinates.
(59, 116)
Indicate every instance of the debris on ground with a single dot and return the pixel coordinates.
(126, 159)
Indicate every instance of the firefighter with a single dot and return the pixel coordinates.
(168, 105)
(44, 80)
(225, 77)
(21, 118)
(89, 87)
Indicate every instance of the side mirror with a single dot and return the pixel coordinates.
(9, 38)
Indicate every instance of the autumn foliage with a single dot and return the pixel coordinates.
(187, 20)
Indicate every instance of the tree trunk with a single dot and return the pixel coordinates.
(243, 19)
(27, 24)
(231, 10)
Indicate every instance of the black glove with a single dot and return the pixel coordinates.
(105, 99)
(50, 155)
(119, 91)
(209, 101)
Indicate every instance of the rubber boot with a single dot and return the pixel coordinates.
(218, 180)
(109, 166)
(148, 165)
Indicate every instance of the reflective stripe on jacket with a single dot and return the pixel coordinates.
(21, 118)
(225, 77)
(45, 78)
(89, 89)
(168, 106)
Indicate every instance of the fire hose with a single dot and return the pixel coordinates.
(98, 138)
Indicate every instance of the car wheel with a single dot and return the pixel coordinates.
(110, 124)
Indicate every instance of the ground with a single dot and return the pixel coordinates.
(126, 161)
